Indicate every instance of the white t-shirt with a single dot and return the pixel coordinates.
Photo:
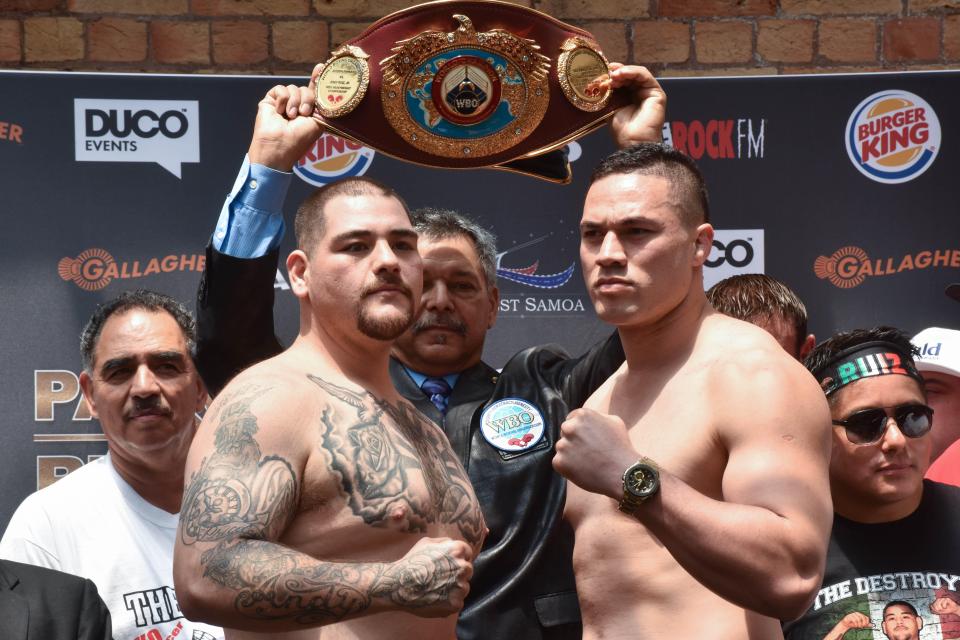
(91, 523)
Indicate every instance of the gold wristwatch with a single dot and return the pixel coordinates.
(640, 481)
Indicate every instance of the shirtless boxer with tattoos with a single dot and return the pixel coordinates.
(315, 494)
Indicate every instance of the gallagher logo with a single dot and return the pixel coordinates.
(331, 158)
(893, 136)
(94, 269)
(849, 266)
(11, 131)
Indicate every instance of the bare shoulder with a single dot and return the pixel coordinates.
(269, 402)
(749, 374)
(601, 399)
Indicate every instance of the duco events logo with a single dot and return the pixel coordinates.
(893, 136)
(94, 269)
(166, 132)
(717, 139)
(331, 158)
(849, 266)
(734, 252)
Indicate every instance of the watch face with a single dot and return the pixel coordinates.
(641, 480)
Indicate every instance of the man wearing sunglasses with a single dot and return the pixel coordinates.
(894, 534)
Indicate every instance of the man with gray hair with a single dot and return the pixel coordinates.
(114, 520)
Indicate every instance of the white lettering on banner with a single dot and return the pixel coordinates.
(884, 582)
(535, 306)
(166, 132)
(734, 252)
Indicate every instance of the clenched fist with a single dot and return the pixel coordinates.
(285, 127)
(943, 605)
(593, 452)
(641, 121)
(432, 579)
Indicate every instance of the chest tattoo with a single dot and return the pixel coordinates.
(379, 451)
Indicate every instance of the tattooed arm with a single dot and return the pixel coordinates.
(245, 468)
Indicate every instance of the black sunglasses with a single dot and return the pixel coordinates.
(869, 425)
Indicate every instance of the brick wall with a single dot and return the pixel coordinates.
(673, 37)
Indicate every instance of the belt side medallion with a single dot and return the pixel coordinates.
(582, 70)
(343, 82)
(465, 94)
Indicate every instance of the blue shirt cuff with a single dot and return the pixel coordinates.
(251, 220)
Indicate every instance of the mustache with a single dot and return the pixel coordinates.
(387, 280)
(152, 405)
(429, 320)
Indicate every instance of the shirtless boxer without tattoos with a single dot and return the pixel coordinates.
(728, 531)
(316, 495)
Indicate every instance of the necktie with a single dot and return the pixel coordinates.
(438, 391)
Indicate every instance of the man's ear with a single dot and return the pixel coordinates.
(202, 396)
(808, 344)
(298, 270)
(86, 386)
(494, 294)
(702, 244)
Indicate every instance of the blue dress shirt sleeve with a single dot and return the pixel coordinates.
(251, 220)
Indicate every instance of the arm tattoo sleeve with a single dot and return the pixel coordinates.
(237, 492)
(277, 583)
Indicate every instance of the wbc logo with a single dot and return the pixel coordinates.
(893, 136)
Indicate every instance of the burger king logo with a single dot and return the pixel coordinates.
(893, 136)
(331, 158)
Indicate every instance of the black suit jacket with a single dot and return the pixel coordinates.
(522, 585)
(43, 604)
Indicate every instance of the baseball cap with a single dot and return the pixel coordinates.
(939, 350)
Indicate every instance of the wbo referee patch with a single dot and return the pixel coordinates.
(512, 425)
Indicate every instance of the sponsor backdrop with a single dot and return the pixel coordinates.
(843, 186)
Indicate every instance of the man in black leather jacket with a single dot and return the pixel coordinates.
(523, 584)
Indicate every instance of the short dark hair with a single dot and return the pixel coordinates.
(658, 159)
(438, 224)
(901, 603)
(756, 296)
(308, 224)
(827, 350)
(136, 299)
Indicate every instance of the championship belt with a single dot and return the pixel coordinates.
(469, 83)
